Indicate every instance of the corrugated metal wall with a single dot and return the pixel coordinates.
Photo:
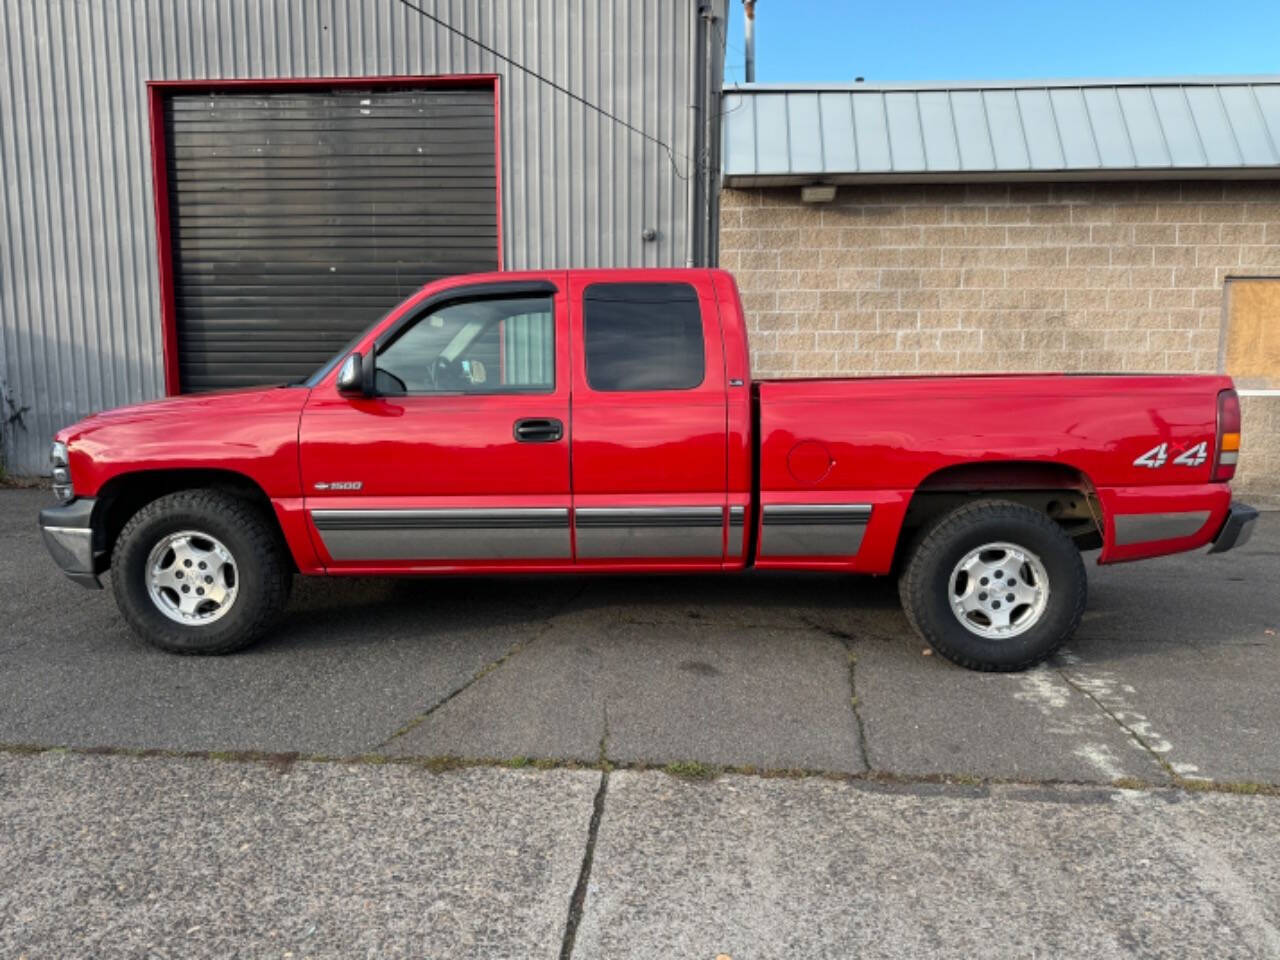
(79, 293)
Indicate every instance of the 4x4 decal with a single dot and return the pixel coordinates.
(1192, 456)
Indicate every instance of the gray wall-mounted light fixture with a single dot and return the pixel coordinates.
(818, 193)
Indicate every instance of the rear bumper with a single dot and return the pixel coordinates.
(1236, 529)
(68, 536)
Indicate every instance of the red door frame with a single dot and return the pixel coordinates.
(157, 90)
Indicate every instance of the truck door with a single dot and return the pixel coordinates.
(649, 408)
(461, 459)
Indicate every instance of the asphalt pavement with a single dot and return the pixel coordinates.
(752, 766)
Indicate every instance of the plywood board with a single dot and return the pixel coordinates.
(1253, 332)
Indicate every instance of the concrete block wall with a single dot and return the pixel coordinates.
(1258, 477)
(1004, 277)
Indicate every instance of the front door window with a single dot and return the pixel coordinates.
(474, 347)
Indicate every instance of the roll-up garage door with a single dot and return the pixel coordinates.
(299, 217)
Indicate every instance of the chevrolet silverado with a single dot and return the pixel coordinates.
(606, 420)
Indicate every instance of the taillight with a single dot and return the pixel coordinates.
(1228, 445)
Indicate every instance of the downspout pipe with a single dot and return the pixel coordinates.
(708, 156)
(692, 183)
(704, 160)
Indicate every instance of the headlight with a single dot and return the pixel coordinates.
(62, 488)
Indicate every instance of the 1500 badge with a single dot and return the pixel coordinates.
(1158, 456)
(340, 485)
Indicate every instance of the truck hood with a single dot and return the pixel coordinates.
(196, 407)
(253, 432)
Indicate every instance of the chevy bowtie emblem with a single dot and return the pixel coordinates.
(341, 485)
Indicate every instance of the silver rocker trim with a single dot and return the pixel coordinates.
(629, 532)
(813, 529)
(468, 534)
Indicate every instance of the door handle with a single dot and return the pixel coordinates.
(538, 430)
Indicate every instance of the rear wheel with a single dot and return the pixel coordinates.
(994, 585)
(200, 572)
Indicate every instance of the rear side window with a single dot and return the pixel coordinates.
(642, 336)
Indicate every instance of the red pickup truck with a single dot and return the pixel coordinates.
(606, 420)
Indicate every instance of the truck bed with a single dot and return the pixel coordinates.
(875, 440)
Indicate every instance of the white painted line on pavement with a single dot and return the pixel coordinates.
(1112, 695)
(1100, 755)
(1051, 695)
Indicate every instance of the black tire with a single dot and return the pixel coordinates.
(925, 584)
(264, 575)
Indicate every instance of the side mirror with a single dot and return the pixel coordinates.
(351, 376)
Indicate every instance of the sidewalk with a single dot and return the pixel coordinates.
(118, 856)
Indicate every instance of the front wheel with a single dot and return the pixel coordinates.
(200, 572)
(994, 585)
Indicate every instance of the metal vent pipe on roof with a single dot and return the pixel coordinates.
(749, 41)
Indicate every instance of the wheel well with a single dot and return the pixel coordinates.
(1063, 493)
(123, 496)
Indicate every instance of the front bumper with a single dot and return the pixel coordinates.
(1236, 529)
(68, 535)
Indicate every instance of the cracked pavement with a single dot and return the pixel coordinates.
(944, 812)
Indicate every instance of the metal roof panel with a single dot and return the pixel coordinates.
(1229, 127)
(1181, 134)
(839, 149)
(1007, 135)
(871, 128)
(773, 133)
(1075, 128)
(802, 119)
(973, 132)
(938, 131)
(1040, 129)
(1210, 118)
(738, 144)
(1263, 136)
(905, 138)
(1111, 135)
(1143, 125)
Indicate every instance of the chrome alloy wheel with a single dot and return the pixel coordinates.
(998, 590)
(192, 578)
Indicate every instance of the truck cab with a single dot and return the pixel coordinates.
(551, 420)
